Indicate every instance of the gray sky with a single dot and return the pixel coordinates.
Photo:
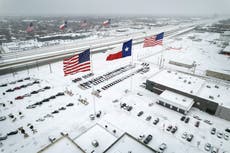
(114, 7)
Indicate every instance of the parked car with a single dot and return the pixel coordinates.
(189, 137)
(156, 121)
(174, 129)
(70, 104)
(169, 128)
(226, 136)
(19, 97)
(129, 108)
(148, 139)
(184, 135)
(207, 147)
(213, 131)
(148, 118)
(123, 105)
(227, 130)
(60, 94)
(55, 112)
(162, 147)
(220, 135)
(12, 132)
(140, 113)
(2, 118)
(187, 120)
(3, 137)
(197, 124)
(214, 150)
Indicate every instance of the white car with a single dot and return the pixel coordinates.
(207, 147)
(162, 147)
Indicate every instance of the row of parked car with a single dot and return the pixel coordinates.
(45, 100)
(20, 129)
(116, 81)
(14, 82)
(220, 134)
(208, 147)
(32, 93)
(187, 136)
(22, 86)
(162, 147)
(126, 107)
(107, 76)
(84, 76)
(55, 112)
(186, 120)
(148, 118)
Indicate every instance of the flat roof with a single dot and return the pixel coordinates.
(62, 145)
(217, 92)
(98, 133)
(127, 143)
(176, 100)
(180, 81)
(227, 49)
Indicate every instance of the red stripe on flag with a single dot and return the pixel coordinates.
(114, 56)
(71, 65)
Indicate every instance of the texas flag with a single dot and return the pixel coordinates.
(126, 50)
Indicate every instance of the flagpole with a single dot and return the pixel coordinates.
(91, 63)
(131, 79)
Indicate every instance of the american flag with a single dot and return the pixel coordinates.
(107, 22)
(77, 63)
(154, 40)
(30, 28)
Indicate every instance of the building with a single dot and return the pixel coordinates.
(63, 144)
(176, 102)
(128, 144)
(226, 50)
(219, 75)
(225, 36)
(207, 96)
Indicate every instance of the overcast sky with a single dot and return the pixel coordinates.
(114, 7)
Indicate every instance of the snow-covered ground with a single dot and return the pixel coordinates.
(75, 119)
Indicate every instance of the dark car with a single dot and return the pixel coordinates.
(187, 120)
(213, 131)
(10, 90)
(174, 129)
(169, 128)
(148, 139)
(189, 137)
(60, 94)
(227, 130)
(156, 121)
(12, 132)
(148, 118)
(197, 124)
(62, 108)
(182, 118)
(70, 104)
(19, 97)
(140, 113)
(129, 108)
(52, 97)
(123, 105)
(45, 100)
(47, 87)
(55, 112)
(34, 92)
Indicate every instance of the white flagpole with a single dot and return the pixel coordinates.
(91, 63)
(131, 79)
